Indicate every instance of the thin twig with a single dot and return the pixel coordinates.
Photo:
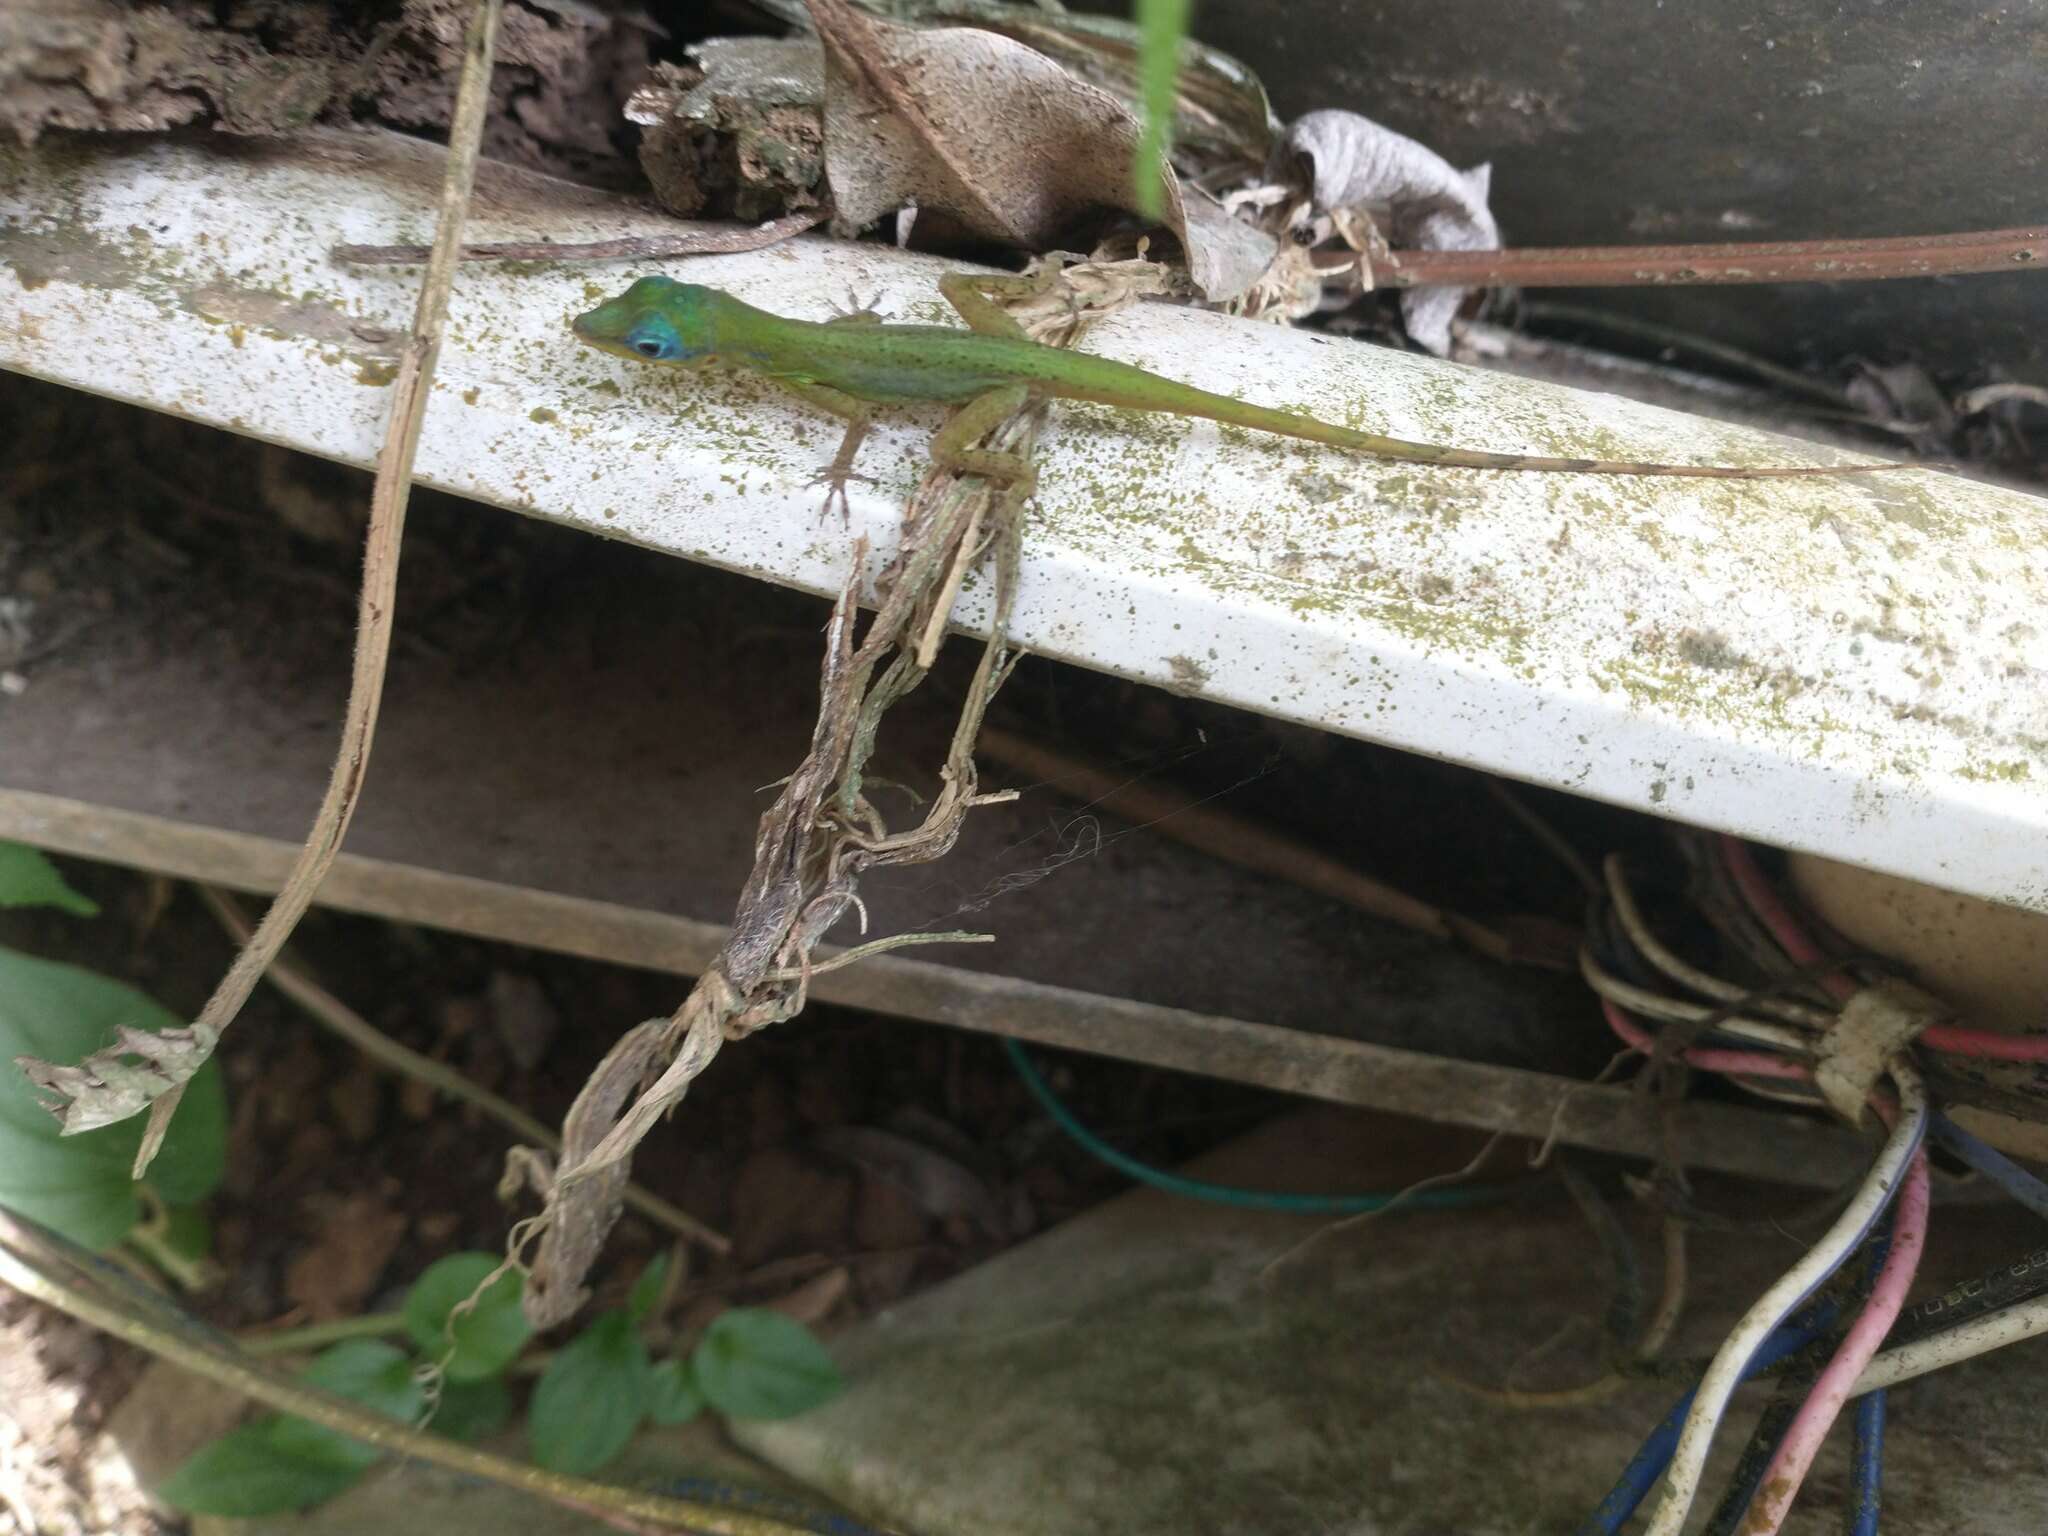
(1778, 261)
(59, 1274)
(1554, 1133)
(716, 241)
(949, 590)
(1826, 391)
(109, 1085)
(1970, 402)
(305, 1339)
(874, 947)
(359, 1032)
(1400, 1199)
(1183, 817)
(1561, 847)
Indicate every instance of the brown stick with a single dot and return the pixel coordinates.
(1179, 815)
(1728, 1138)
(717, 241)
(1779, 261)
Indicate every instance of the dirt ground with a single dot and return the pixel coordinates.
(344, 1184)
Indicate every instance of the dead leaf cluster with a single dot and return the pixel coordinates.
(962, 130)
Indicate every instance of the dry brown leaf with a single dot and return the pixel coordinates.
(784, 1203)
(940, 1187)
(357, 1238)
(1220, 113)
(523, 1016)
(812, 1302)
(1000, 138)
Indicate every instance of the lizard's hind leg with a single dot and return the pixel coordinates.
(953, 445)
(973, 296)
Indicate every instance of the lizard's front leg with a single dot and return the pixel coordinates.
(858, 416)
(858, 311)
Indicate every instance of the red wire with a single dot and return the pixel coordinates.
(1800, 948)
(1738, 1063)
(1765, 902)
(1823, 1405)
(1985, 1042)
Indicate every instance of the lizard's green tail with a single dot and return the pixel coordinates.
(1184, 400)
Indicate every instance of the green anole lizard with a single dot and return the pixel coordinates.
(855, 363)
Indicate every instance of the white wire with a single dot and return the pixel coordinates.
(1963, 1342)
(1779, 1091)
(1806, 1017)
(1688, 1461)
(1673, 1010)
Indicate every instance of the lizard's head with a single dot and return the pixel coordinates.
(657, 320)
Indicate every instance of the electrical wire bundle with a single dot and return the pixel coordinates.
(1822, 1327)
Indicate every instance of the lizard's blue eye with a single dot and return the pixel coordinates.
(655, 340)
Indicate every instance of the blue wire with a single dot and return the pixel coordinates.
(1756, 1458)
(1225, 1194)
(706, 1490)
(1648, 1463)
(1867, 1466)
(1992, 1163)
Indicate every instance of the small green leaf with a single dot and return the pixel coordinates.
(27, 879)
(188, 1231)
(80, 1184)
(755, 1363)
(647, 1289)
(280, 1462)
(591, 1398)
(366, 1371)
(673, 1398)
(470, 1410)
(487, 1336)
(242, 1474)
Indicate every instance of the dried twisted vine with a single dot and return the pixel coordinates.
(813, 846)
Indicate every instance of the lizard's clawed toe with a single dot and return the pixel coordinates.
(859, 311)
(835, 481)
